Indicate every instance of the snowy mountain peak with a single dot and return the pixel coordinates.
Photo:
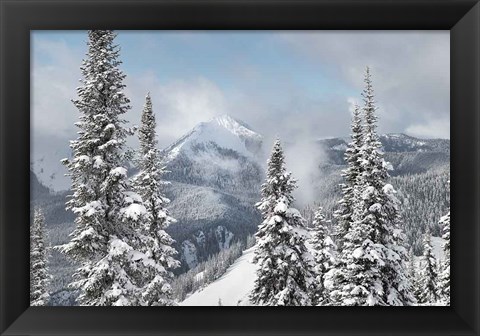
(224, 132)
(238, 128)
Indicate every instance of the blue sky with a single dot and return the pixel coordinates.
(218, 56)
(292, 84)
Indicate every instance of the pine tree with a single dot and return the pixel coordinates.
(285, 274)
(413, 276)
(357, 278)
(373, 261)
(428, 275)
(350, 174)
(156, 242)
(444, 276)
(380, 208)
(324, 254)
(411, 265)
(107, 212)
(396, 281)
(424, 200)
(39, 276)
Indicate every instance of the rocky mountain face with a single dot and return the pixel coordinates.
(215, 173)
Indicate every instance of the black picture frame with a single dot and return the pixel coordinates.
(18, 17)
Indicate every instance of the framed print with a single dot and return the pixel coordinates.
(319, 158)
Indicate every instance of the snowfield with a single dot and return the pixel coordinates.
(437, 247)
(232, 288)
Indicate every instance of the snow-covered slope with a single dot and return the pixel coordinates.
(232, 289)
(437, 247)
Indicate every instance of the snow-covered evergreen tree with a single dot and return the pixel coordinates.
(108, 213)
(39, 276)
(395, 273)
(411, 265)
(324, 254)
(428, 275)
(343, 215)
(373, 261)
(357, 278)
(444, 276)
(156, 242)
(285, 275)
(413, 275)
(424, 200)
(380, 208)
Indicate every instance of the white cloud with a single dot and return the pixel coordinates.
(302, 159)
(411, 70)
(434, 128)
(179, 105)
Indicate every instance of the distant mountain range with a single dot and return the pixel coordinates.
(408, 155)
(215, 173)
